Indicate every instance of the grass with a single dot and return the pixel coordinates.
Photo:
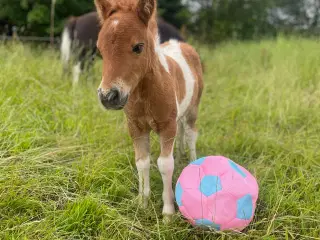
(67, 168)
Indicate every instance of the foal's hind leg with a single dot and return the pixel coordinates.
(180, 142)
(141, 143)
(191, 133)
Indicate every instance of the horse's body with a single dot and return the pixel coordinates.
(80, 35)
(79, 39)
(158, 86)
(167, 31)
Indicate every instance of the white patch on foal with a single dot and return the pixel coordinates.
(178, 110)
(115, 22)
(173, 50)
(166, 167)
(159, 51)
(143, 166)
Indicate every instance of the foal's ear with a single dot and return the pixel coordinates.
(103, 9)
(146, 9)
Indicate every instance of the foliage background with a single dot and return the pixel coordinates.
(209, 20)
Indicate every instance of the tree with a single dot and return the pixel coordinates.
(209, 20)
(297, 15)
(34, 15)
(174, 12)
(218, 20)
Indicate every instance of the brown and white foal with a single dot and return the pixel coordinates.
(159, 86)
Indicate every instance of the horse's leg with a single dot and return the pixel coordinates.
(90, 63)
(79, 66)
(180, 139)
(65, 68)
(76, 72)
(141, 143)
(191, 132)
(166, 166)
(65, 51)
(92, 57)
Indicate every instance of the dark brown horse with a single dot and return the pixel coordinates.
(80, 35)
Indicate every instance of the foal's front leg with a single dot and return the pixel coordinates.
(142, 156)
(166, 166)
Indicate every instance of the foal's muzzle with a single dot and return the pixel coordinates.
(112, 99)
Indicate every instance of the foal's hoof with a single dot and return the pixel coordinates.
(167, 219)
(168, 212)
(143, 201)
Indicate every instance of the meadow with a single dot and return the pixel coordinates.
(67, 166)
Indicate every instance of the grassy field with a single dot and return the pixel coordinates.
(67, 168)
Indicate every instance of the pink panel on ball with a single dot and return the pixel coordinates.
(235, 184)
(189, 178)
(252, 183)
(195, 203)
(236, 224)
(222, 207)
(185, 213)
(215, 165)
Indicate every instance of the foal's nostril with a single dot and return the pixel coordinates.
(113, 96)
(112, 99)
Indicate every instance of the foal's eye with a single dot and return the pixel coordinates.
(137, 49)
(112, 12)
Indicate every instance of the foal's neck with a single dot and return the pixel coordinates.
(155, 95)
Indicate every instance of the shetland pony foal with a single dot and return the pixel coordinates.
(159, 87)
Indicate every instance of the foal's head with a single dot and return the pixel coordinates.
(125, 42)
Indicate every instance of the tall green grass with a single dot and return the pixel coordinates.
(67, 167)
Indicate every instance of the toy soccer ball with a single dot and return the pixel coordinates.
(216, 192)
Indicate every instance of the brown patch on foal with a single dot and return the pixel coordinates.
(193, 59)
(176, 71)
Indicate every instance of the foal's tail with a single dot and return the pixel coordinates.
(66, 41)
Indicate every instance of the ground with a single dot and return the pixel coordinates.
(67, 166)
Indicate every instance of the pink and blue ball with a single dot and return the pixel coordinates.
(216, 192)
